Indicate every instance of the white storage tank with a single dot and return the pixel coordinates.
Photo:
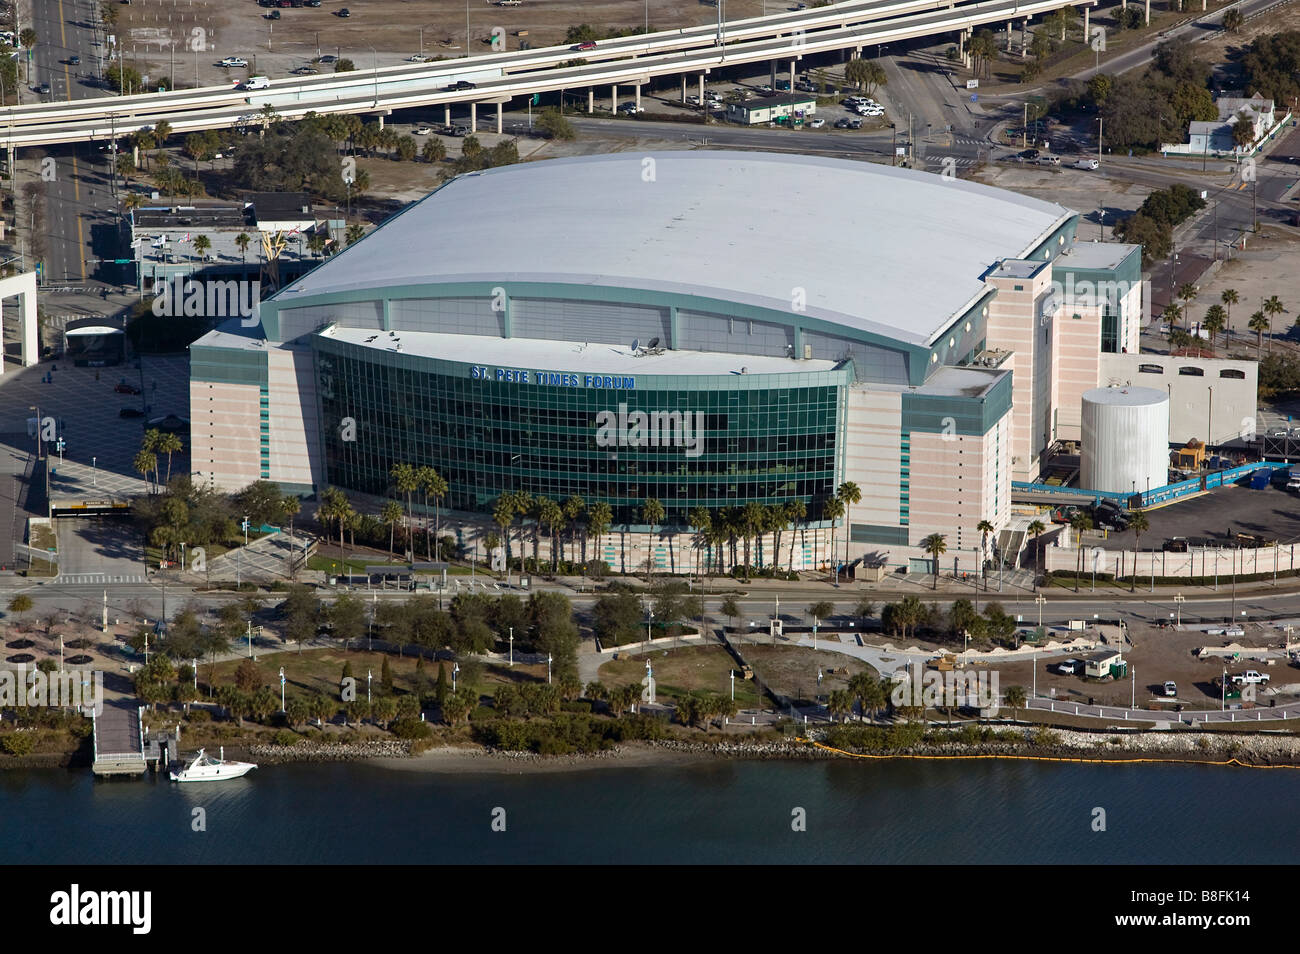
(1125, 444)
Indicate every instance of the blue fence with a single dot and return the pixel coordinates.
(1184, 488)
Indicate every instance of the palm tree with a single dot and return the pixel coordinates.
(390, 513)
(169, 444)
(289, 506)
(503, 515)
(1216, 320)
(795, 511)
(599, 518)
(700, 522)
(1229, 298)
(573, 506)
(751, 519)
(832, 510)
(1187, 291)
(145, 462)
(849, 494)
(551, 513)
(652, 512)
(406, 482)
(1272, 307)
(1015, 697)
(1079, 523)
(241, 241)
(936, 545)
(1036, 529)
(1259, 324)
(1139, 524)
(985, 528)
(434, 485)
(1170, 316)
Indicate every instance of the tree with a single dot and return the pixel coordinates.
(985, 528)
(864, 610)
(599, 519)
(1036, 529)
(820, 611)
(936, 545)
(458, 707)
(652, 512)
(20, 604)
(1233, 19)
(1229, 298)
(1243, 131)
(1259, 323)
(249, 676)
(347, 618)
(169, 443)
(1139, 524)
(730, 609)
(344, 65)
(145, 463)
(832, 510)
(1272, 307)
(848, 493)
(405, 149)
(391, 513)
(386, 677)
(434, 150)
(840, 703)
(1079, 522)
(552, 125)
(551, 514)
(983, 48)
(795, 512)
(241, 241)
(1216, 320)
(616, 616)
(433, 485)
(322, 708)
(866, 75)
(1170, 315)
(355, 232)
(301, 611)
(1015, 697)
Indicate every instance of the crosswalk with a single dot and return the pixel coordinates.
(104, 578)
(959, 162)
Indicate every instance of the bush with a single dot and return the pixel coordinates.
(199, 715)
(410, 729)
(285, 738)
(18, 743)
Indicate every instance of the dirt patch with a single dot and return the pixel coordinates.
(792, 671)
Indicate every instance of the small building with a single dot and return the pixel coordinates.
(1106, 662)
(1205, 137)
(1191, 457)
(771, 109)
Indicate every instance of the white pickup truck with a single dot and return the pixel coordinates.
(1250, 677)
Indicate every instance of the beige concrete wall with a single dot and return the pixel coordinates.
(1013, 326)
(224, 437)
(871, 457)
(295, 442)
(1191, 413)
(1077, 360)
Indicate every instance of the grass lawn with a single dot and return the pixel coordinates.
(320, 671)
(43, 538)
(693, 670)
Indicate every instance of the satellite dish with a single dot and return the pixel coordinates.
(636, 344)
(654, 343)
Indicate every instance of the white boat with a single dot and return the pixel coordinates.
(204, 768)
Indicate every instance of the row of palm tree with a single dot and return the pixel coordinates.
(409, 479)
(1218, 317)
(146, 463)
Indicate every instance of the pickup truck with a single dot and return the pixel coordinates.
(1250, 677)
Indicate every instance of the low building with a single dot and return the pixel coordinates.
(771, 109)
(1106, 662)
(1210, 399)
(1215, 136)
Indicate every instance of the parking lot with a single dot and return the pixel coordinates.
(1220, 514)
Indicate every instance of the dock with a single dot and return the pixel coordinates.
(119, 740)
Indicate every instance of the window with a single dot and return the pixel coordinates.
(1019, 287)
(1193, 372)
(1151, 369)
(1233, 373)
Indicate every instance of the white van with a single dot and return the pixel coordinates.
(1090, 164)
(256, 82)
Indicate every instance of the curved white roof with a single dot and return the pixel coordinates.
(879, 249)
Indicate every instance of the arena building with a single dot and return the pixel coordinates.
(708, 329)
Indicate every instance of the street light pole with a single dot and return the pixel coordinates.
(512, 645)
(1179, 599)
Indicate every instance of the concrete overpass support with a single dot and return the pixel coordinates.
(772, 69)
(24, 286)
(591, 99)
(1008, 36)
(446, 115)
(381, 120)
(792, 67)
(638, 97)
(500, 107)
(613, 98)
(706, 112)
(683, 88)
(1086, 10)
(473, 117)
(1148, 20)
(1024, 38)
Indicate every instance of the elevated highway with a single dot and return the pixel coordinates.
(498, 77)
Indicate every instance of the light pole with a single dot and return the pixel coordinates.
(455, 668)
(239, 567)
(466, 29)
(60, 653)
(549, 659)
(1179, 599)
(733, 684)
(512, 645)
(1132, 699)
(368, 677)
(194, 664)
(1040, 599)
(1223, 691)
(281, 688)
(182, 556)
(250, 638)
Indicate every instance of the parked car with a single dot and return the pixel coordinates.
(422, 130)
(855, 124)
(1175, 545)
(1171, 688)
(328, 58)
(43, 89)
(842, 123)
(1030, 155)
(125, 388)
(630, 108)
(816, 123)
(1049, 160)
(130, 412)
(305, 71)
(1069, 667)
(345, 12)
(233, 61)
(1089, 164)
(312, 3)
(273, 15)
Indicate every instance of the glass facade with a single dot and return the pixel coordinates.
(766, 438)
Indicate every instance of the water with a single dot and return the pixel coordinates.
(987, 812)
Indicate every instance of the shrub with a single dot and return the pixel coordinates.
(199, 715)
(410, 729)
(18, 743)
(285, 738)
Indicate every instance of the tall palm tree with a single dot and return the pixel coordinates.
(1170, 316)
(1216, 320)
(1187, 291)
(700, 522)
(391, 513)
(551, 513)
(1139, 524)
(146, 462)
(1036, 529)
(1079, 523)
(434, 485)
(406, 482)
(936, 545)
(1229, 298)
(1272, 307)
(169, 444)
(503, 515)
(985, 528)
(241, 241)
(849, 494)
(795, 512)
(652, 512)
(599, 519)
(1015, 697)
(832, 510)
(751, 522)
(1259, 324)
(573, 506)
